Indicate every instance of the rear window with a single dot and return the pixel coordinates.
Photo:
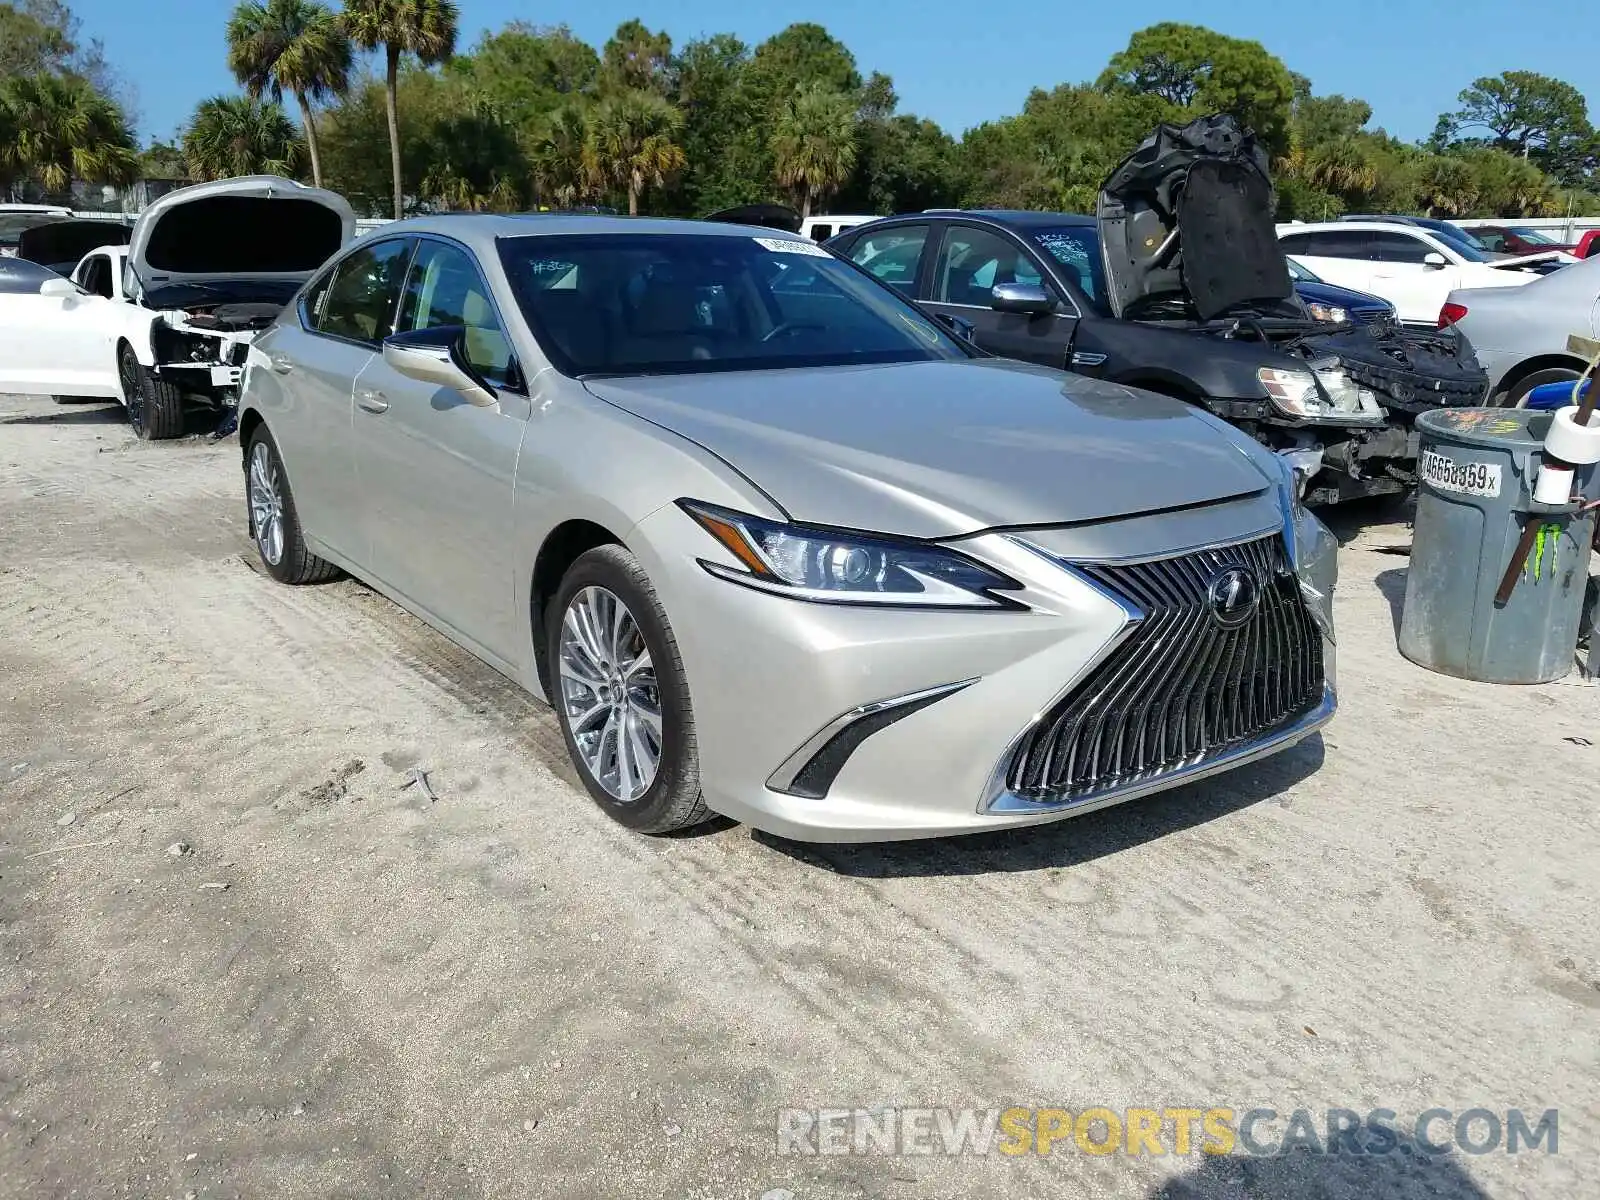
(245, 235)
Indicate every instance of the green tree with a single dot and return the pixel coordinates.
(634, 136)
(57, 128)
(163, 160)
(237, 135)
(708, 74)
(636, 59)
(294, 46)
(1192, 67)
(526, 72)
(565, 164)
(1528, 114)
(475, 160)
(814, 143)
(423, 28)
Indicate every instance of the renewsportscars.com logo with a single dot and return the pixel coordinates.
(1258, 1132)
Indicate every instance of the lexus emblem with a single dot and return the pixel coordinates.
(1233, 595)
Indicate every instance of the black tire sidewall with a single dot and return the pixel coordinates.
(614, 569)
(1533, 379)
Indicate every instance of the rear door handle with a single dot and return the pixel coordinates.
(281, 363)
(373, 402)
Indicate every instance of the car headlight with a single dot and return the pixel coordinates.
(1294, 391)
(841, 567)
(1327, 312)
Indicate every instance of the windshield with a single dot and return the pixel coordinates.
(1077, 249)
(1533, 236)
(221, 291)
(1301, 274)
(12, 224)
(649, 304)
(1468, 250)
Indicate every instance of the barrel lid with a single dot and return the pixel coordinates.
(1520, 428)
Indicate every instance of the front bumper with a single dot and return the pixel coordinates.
(773, 680)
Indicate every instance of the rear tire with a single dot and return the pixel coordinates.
(633, 712)
(274, 523)
(1512, 396)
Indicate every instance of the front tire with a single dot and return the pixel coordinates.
(274, 524)
(155, 405)
(620, 693)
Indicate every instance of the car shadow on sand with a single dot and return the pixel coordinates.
(74, 412)
(1068, 842)
(1299, 1176)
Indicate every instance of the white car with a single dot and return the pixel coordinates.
(824, 226)
(1413, 268)
(167, 320)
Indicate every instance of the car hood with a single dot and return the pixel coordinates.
(1328, 293)
(261, 226)
(1189, 214)
(942, 449)
(68, 241)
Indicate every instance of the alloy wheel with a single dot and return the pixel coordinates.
(132, 388)
(266, 503)
(609, 693)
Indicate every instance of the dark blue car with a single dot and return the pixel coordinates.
(1329, 303)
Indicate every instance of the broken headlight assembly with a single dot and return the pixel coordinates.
(172, 347)
(1322, 390)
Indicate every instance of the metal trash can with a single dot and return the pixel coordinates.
(1477, 468)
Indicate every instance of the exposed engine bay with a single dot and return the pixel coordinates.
(1188, 243)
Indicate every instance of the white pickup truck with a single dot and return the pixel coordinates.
(165, 322)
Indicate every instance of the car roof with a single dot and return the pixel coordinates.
(1374, 223)
(1020, 217)
(482, 230)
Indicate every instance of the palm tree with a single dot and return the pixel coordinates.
(425, 28)
(235, 135)
(294, 46)
(633, 136)
(565, 164)
(59, 128)
(814, 143)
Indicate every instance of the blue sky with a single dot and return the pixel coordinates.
(959, 62)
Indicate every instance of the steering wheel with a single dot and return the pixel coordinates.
(791, 327)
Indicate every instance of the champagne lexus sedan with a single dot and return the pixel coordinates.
(772, 541)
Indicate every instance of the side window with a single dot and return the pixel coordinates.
(821, 233)
(1341, 243)
(97, 276)
(362, 293)
(893, 256)
(446, 288)
(973, 261)
(1296, 243)
(1399, 248)
(1494, 240)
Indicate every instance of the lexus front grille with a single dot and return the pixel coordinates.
(1202, 674)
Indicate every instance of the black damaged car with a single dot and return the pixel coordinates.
(1179, 286)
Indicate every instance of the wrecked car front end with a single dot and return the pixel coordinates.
(1188, 241)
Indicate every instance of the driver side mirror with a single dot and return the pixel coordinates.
(1434, 260)
(1021, 298)
(59, 289)
(438, 356)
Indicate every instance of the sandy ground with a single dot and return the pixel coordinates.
(502, 994)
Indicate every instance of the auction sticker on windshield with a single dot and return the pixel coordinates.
(790, 246)
(1469, 478)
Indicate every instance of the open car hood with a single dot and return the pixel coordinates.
(63, 243)
(768, 216)
(1188, 215)
(261, 226)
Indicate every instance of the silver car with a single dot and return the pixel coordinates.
(1520, 333)
(773, 542)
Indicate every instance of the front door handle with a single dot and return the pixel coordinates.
(373, 402)
(281, 363)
